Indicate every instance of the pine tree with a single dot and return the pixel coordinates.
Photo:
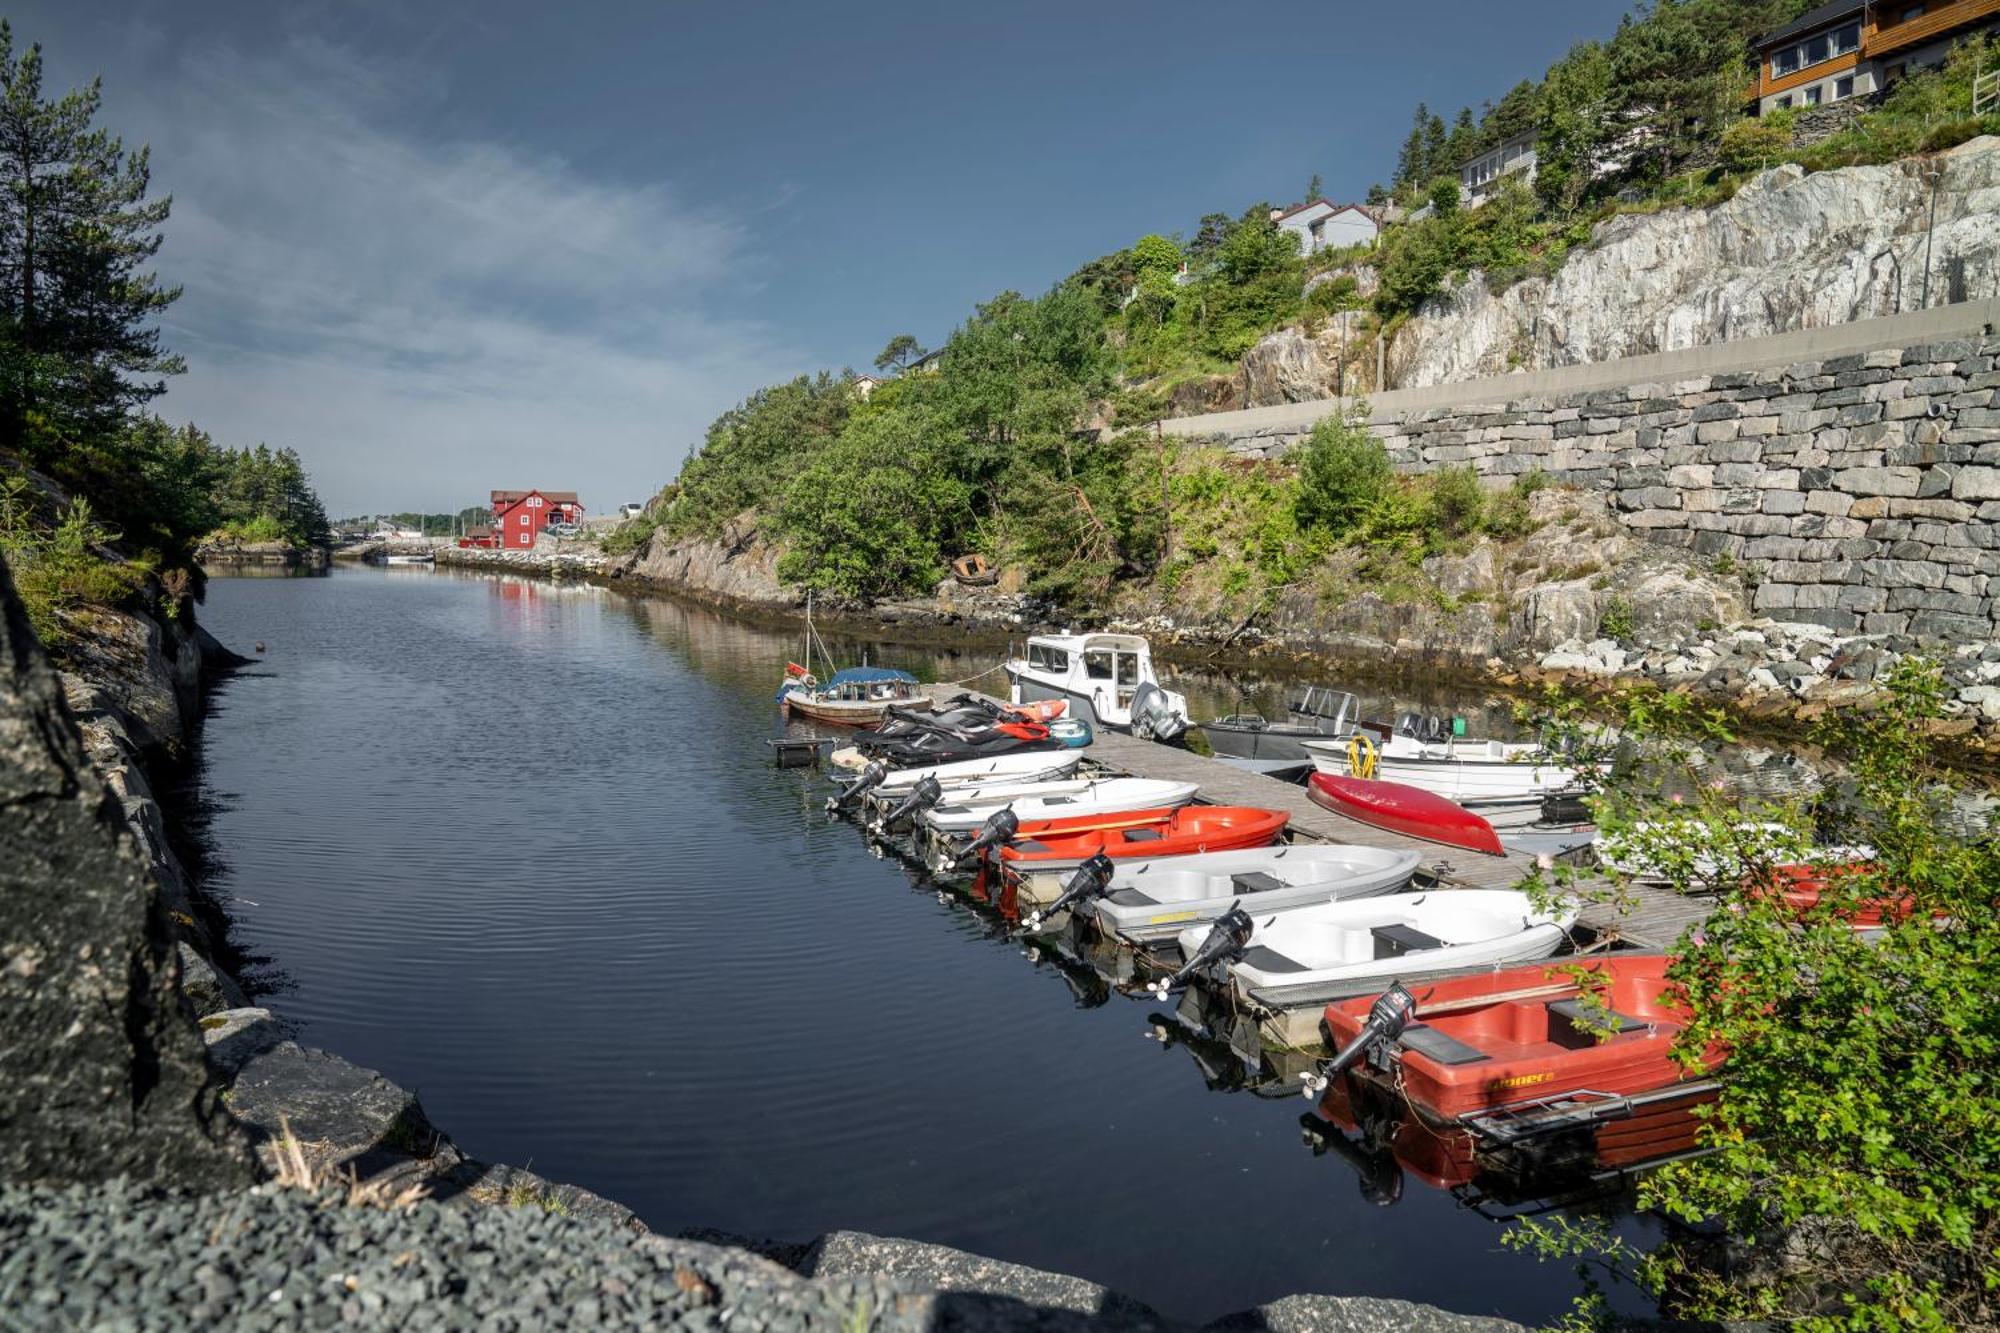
(76, 231)
(1412, 164)
(1313, 189)
(1437, 150)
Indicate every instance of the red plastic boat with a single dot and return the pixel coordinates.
(1803, 886)
(1047, 844)
(1401, 808)
(1492, 1052)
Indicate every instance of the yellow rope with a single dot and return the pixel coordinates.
(1361, 756)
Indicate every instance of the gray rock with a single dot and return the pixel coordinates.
(1355, 1314)
(939, 1268)
(208, 990)
(101, 1067)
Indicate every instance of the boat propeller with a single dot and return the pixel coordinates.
(1226, 939)
(923, 796)
(999, 829)
(868, 780)
(1387, 1018)
(1089, 880)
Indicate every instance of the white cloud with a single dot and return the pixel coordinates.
(425, 320)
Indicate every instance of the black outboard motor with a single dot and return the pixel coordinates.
(1227, 938)
(926, 794)
(1387, 1018)
(868, 780)
(1089, 881)
(998, 830)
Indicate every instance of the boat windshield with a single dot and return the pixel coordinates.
(1128, 669)
(1097, 663)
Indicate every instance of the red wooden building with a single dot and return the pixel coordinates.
(521, 516)
(480, 535)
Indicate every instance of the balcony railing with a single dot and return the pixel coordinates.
(1902, 36)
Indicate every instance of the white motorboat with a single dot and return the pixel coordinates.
(1385, 938)
(1106, 679)
(964, 812)
(1683, 856)
(1457, 768)
(1028, 766)
(1156, 900)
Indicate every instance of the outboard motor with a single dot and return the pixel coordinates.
(1089, 881)
(1387, 1018)
(1227, 938)
(923, 796)
(998, 830)
(868, 780)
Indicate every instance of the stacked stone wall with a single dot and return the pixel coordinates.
(1861, 493)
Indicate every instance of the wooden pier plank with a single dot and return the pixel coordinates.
(1654, 923)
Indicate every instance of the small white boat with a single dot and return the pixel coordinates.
(1670, 854)
(855, 697)
(1157, 900)
(427, 558)
(1396, 936)
(964, 812)
(1456, 768)
(1028, 766)
(1106, 679)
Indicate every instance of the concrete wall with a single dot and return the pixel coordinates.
(1863, 486)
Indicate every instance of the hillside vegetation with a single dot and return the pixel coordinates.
(1024, 437)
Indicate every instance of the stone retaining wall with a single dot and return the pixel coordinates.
(1863, 491)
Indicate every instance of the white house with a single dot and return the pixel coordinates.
(865, 384)
(1326, 226)
(1482, 175)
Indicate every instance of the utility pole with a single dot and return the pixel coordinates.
(1930, 236)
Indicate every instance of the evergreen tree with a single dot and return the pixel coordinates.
(1463, 143)
(76, 231)
(1437, 150)
(1413, 163)
(1573, 119)
(1313, 189)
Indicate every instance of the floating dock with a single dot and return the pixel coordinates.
(1654, 921)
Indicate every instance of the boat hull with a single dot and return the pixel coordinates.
(845, 713)
(1400, 808)
(1154, 901)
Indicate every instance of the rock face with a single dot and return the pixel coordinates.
(739, 567)
(101, 1069)
(1790, 251)
(1286, 367)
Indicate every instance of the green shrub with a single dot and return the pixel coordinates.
(1617, 621)
(1457, 499)
(1753, 143)
(59, 572)
(1343, 472)
(630, 535)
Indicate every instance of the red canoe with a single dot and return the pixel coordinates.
(1485, 1043)
(1400, 808)
(1049, 843)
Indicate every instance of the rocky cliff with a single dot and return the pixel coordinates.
(1791, 250)
(738, 567)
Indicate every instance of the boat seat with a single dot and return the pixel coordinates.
(1256, 881)
(1270, 960)
(1396, 940)
(1442, 1047)
(1142, 835)
(1132, 898)
(1580, 1025)
(1030, 845)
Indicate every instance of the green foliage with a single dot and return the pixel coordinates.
(1444, 196)
(868, 516)
(1616, 622)
(1343, 474)
(1857, 1132)
(752, 450)
(630, 535)
(1752, 143)
(900, 351)
(1458, 500)
(60, 569)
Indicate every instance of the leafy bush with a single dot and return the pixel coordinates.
(1343, 472)
(59, 571)
(630, 535)
(1458, 500)
(1853, 1153)
(1616, 622)
(1753, 143)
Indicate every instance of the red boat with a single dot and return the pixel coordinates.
(1513, 1053)
(1401, 808)
(1053, 844)
(1803, 886)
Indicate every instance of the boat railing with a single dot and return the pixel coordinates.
(1573, 1109)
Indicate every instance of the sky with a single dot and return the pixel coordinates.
(446, 246)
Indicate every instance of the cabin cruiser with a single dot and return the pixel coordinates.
(1106, 679)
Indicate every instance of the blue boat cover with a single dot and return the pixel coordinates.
(860, 675)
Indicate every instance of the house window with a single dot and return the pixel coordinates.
(1784, 102)
(1784, 62)
(1843, 88)
(1816, 49)
(1813, 95)
(524, 520)
(1846, 39)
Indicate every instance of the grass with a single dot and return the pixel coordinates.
(58, 569)
(291, 1168)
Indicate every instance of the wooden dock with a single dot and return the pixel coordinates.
(1654, 921)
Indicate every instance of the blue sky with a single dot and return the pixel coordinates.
(447, 246)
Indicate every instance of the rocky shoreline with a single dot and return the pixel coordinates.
(149, 1103)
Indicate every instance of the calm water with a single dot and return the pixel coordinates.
(520, 847)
